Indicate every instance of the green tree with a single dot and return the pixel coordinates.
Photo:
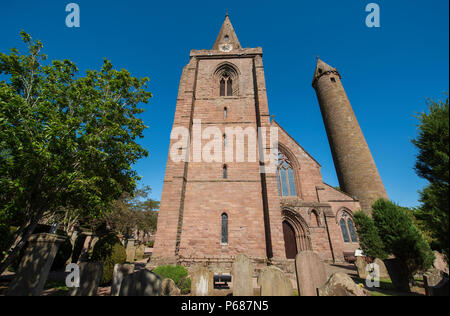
(369, 238)
(133, 212)
(401, 237)
(66, 140)
(432, 164)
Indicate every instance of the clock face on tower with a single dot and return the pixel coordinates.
(225, 47)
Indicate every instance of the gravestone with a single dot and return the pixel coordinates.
(340, 284)
(90, 276)
(311, 274)
(35, 266)
(398, 274)
(87, 246)
(202, 281)
(120, 270)
(435, 283)
(131, 250)
(169, 288)
(141, 283)
(440, 263)
(382, 268)
(273, 282)
(361, 266)
(242, 272)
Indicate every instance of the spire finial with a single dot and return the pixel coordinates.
(226, 15)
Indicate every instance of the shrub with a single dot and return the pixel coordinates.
(178, 274)
(369, 238)
(401, 237)
(110, 251)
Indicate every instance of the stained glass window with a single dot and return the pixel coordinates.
(348, 229)
(351, 228)
(344, 230)
(285, 177)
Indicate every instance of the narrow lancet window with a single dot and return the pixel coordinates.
(224, 228)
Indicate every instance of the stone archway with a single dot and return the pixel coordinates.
(296, 233)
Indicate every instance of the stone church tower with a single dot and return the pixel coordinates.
(355, 167)
(214, 209)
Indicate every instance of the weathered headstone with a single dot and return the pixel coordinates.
(440, 263)
(87, 246)
(311, 273)
(273, 282)
(202, 281)
(398, 274)
(340, 284)
(35, 265)
(361, 266)
(382, 268)
(90, 276)
(435, 283)
(169, 288)
(141, 283)
(242, 273)
(131, 250)
(120, 270)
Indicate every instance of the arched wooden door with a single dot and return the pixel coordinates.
(290, 242)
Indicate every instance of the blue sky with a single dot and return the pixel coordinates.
(388, 72)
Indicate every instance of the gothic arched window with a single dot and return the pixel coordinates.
(285, 176)
(224, 228)
(348, 228)
(226, 77)
(226, 85)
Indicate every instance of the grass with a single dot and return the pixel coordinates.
(59, 288)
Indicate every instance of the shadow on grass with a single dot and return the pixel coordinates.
(386, 288)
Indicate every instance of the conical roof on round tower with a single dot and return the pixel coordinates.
(323, 68)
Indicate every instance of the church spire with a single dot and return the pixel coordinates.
(227, 39)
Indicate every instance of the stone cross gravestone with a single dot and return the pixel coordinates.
(273, 282)
(90, 276)
(141, 283)
(35, 266)
(242, 272)
(202, 281)
(120, 271)
(311, 274)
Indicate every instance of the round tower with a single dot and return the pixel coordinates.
(355, 167)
